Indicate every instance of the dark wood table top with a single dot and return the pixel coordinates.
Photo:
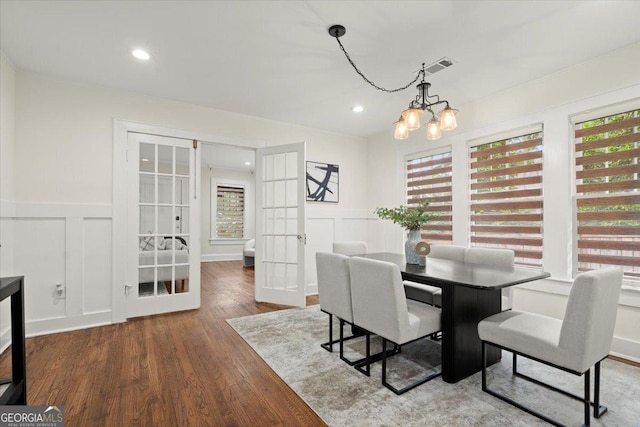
(442, 272)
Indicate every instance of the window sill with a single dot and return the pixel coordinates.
(630, 295)
(224, 242)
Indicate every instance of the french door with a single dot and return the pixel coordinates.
(163, 221)
(280, 225)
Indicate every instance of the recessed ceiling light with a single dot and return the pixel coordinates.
(358, 109)
(144, 160)
(247, 163)
(141, 54)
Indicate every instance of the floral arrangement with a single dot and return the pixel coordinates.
(409, 218)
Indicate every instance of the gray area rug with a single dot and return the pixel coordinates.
(289, 342)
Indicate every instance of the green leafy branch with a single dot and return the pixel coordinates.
(408, 218)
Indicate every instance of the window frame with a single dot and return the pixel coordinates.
(224, 182)
(497, 137)
(429, 153)
(602, 112)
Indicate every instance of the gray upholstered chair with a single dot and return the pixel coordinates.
(381, 307)
(334, 291)
(432, 294)
(575, 344)
(249, 253)
(494, 257)
(350, 248)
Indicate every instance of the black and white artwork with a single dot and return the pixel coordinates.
(322, 182)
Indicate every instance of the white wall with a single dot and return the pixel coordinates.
(218, 251)
(7, 143)
(603, 81)
(63, 175)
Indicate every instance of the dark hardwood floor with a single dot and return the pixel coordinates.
(180, 369)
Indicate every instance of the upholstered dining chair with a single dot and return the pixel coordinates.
(350, 248)
(334, 291)
(381, 307)
(494, 257)
(432, 294)
(575, 344)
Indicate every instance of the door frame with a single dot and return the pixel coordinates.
(121, 129)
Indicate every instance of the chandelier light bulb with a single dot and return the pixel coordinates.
(433, 129)
(401, 131)
(412, 118)
(448, 119)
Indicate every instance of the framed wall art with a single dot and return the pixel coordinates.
(322, 182)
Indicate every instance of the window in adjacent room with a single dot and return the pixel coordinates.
(229, 211)
(506, 194)
(607, 188)
(428, 177)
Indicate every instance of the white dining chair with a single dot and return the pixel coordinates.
(433, 294)
(494, 257)
(575, 344)
(381, 307)
(334, 291)
(350, 248)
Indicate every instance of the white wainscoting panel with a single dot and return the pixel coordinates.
(96, 271)
(68, 244)
(325, 226)
(40, 256)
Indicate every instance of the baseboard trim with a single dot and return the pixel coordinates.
(312, 289)
(220, 257)
(626, 349)
(65, 324)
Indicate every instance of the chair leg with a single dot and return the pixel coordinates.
(367, 359)
(329, 345)
(587, 397)
(598, 409)
(484, 366)
(514, 364)
(408, 387)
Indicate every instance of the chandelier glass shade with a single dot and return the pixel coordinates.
(410, 118)
(401, 131)
(444, 120)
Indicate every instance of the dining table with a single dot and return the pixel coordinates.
(470, 293)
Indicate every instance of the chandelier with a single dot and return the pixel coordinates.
(410, 118)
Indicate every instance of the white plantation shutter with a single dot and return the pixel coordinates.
(429, 178)
(607, 187)
(229, 212)
(506, 196)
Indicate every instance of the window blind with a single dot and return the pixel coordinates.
(607, 192)
(506, 196)
(229, 212)
(429, 178)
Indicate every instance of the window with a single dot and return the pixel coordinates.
(229, 221)
(506, 196)
(607, 192)
(429, 178)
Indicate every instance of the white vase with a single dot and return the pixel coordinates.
(410, 247)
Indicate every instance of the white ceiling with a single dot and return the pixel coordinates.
(274, 59)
